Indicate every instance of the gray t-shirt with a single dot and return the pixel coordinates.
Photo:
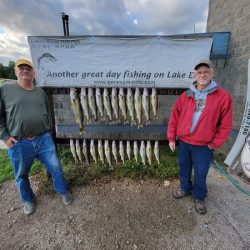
(23, 112)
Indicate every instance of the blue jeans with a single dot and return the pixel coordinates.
(200, 158)
(22, 156)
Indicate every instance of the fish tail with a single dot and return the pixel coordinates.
(82, 131)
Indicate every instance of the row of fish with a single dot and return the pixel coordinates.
(116, 106)
(104, 150)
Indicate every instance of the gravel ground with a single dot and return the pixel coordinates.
(127, 214)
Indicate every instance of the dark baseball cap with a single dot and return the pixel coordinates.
(204, 62)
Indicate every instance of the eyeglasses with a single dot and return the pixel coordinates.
(206, 72)
(22, 68)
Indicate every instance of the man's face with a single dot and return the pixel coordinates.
(203, 75)
(24, 72)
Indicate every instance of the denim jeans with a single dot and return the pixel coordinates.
(22, 156)
(200, 158)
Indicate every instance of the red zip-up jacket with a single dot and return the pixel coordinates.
(214, 124)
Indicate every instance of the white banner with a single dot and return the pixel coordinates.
(116, 61)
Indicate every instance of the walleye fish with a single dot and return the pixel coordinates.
(106, 103)
(99, 102)
(93, 150)
(85, 151)
(73, 150)
(91, 101)
(114, 103)
(154, 102)
(100, 151)
(107, 152)
(149, 152)
(128, 149)
(138, 107)
(122, 104)
(135, 150)
(143, 152)
(84, 103)
(76, 107)
(130, 105)
(145, 104)
(157, 151)
(121, 151)
(78, 150)
(114, 151)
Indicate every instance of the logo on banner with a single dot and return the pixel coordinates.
(44, 61)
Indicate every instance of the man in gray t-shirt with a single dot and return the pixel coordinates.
(25, 121)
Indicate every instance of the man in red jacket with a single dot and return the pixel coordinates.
(201, 120)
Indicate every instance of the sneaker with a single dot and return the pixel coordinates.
(29, 207)
(200, 206)
(67, 198)
(178, 194)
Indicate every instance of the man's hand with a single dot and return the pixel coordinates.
(172, 145)
(10, 142)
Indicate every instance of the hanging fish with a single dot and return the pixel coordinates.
(149, 152)
(135, 150)
(99, 103)
(107, 152)
(138, 107)
(145, 104)
(122, 104)
(130, 105)
(76, 107)
(121, 151)
(84, 103)
(114, 103)
(85, 151)
(157, 151)
(128, 149)
(100, 151)
(154, 102)
(91, 101)
(106, 102)
(78, 150)
(143, 152)
(93, 150)
(114, 151)
(73, 150)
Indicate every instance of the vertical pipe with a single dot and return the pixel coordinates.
(67, 24)
(63, 20)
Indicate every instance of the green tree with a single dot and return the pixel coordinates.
(10, 70)
(2, 71)
(7, 71)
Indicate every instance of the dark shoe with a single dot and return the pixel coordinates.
(67, 198)
(178, 194)
(200, 206)
(29, 207)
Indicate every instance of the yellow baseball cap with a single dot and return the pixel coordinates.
(20, 62)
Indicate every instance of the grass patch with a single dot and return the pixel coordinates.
(6, 170)
(219, 157)
(80, 174)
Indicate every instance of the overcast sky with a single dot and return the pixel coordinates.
(22, 18)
